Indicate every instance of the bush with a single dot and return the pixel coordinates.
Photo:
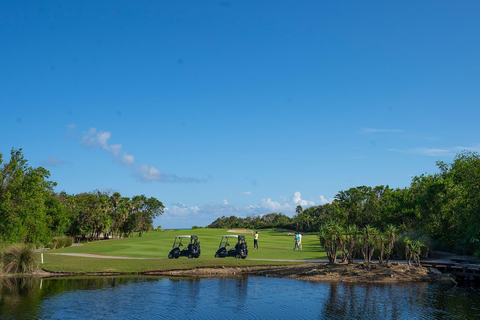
(52, 244)
(68, 241)
(19, 258)
(60, 242)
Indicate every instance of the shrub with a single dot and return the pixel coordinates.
(19, 258)
(68, 241)
(60, 242)
(52, 244)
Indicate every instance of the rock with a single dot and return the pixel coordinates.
(434, 271)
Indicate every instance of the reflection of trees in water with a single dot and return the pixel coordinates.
(462, 301)
(29, 297)
(24, 295)
(18, 295)
(366, 301)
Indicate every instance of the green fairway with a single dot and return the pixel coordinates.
(156, 244)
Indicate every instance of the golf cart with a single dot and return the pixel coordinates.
(191, 251)
(239, 251)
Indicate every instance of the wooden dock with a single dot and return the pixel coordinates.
(462, 270)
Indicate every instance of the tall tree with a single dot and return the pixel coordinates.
(23, 192)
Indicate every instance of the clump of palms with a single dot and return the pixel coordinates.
(413, 249)
(330, 239)
(19, 258)
(367, 240)
(350, 241)
(387, 241)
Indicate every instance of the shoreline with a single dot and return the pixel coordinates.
(348, 273)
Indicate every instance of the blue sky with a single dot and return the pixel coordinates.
(238, 107)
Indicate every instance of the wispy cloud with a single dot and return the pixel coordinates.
(53, 162)
(438, 152)
(94, 138)
(375, 130)
(247, 193)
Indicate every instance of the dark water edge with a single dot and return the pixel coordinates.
(141, 297)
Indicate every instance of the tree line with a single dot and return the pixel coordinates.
(443, 208)
(31, 212)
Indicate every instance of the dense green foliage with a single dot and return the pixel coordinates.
(31, 212)
(443, 207)
(23, 194)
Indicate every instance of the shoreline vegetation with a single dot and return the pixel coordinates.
(350, 273)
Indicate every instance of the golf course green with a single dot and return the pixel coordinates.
(154, 247)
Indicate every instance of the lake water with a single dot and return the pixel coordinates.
(230, 298)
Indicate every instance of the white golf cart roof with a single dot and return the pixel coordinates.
(230, 236)
(182, 236)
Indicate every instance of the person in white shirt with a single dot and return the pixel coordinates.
(255, 240)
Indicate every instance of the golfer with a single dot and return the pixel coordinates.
(255, 240)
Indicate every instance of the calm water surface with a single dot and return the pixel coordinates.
(230, 298)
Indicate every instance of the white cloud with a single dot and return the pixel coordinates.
(94, 138)
(247, 192)
(149, 173)
(323, 200)
(271, 205)
(179, 210)
(115, 149)
(211, 211)
(297, 200)
(145, 173)
(127, 159)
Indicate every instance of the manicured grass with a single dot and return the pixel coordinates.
(57, 263)
(273, 244)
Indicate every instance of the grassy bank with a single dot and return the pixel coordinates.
(272, 245)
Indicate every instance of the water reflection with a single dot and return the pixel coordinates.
(227, 298)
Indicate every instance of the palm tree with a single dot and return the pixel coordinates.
(390, 232)
(351, 240)
(368, 240)
(383, 239)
